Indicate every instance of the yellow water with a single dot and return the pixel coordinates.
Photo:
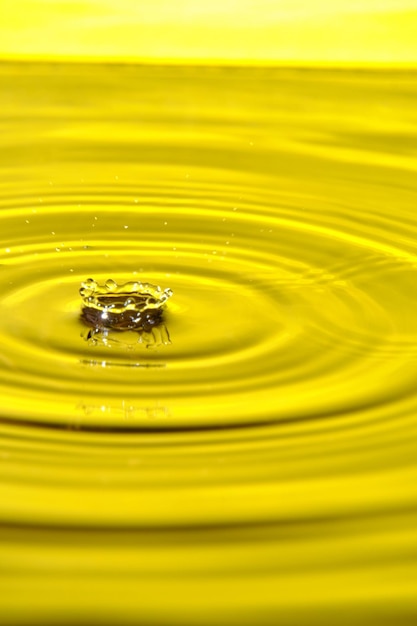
(255, 463)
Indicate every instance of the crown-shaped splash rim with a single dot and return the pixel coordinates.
(131, 296)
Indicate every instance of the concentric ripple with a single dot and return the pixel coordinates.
(268, 426)
(263, 328)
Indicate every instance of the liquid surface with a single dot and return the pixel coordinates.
(259, 466)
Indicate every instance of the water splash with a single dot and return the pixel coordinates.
(111, 309)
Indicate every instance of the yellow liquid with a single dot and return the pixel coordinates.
(259, 467)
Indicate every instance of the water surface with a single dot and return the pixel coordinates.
(255, 461)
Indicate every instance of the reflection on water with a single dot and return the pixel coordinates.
(125, 340)
(261, 466)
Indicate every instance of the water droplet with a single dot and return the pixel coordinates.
(110, 285)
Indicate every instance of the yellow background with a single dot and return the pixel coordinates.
(219, 31)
